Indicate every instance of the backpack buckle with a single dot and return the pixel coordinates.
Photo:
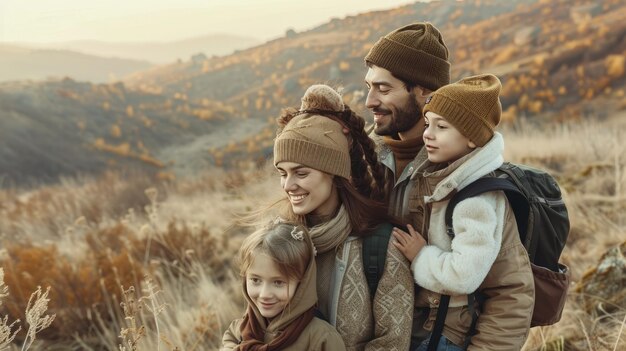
(450, 232)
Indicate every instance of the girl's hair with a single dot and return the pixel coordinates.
(287, 244)
(363, 195)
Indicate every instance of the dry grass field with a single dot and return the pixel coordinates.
(135, 264)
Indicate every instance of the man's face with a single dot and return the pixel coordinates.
(395, 109)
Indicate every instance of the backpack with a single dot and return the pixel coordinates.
(543, 226)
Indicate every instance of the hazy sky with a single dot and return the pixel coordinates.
(164, 20)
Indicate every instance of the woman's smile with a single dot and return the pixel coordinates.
(309, 191)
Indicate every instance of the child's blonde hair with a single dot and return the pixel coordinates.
(289, 245)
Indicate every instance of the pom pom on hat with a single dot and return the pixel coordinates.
(321, 97)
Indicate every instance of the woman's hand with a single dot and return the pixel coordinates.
(410, 243)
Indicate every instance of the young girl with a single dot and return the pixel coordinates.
(330, 173)
(278, 271)
(486, 254)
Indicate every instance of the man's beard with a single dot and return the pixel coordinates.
(401, 119)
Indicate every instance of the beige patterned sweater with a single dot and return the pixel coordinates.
(344, 298)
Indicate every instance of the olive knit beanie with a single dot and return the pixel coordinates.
(414, 53)
(315, 140)
(471, 105)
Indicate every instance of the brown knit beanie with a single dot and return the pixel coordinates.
(471, 105)
(314, 140)
(414, 53)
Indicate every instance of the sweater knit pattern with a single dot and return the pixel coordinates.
(385, 325)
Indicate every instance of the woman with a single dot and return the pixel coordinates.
(330, 175)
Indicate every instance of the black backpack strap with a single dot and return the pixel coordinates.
(442, 311)
(440, 321)
(375, 254)
(472, 300)
(483, 185)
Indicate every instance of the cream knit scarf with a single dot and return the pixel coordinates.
(328, 235)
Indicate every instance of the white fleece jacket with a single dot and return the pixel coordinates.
(459, 266)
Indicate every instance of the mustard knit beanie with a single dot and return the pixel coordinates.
(315, 140)
(471, 105)
(414, 53)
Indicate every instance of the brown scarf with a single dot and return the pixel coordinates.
(404, 151)
(253, 334)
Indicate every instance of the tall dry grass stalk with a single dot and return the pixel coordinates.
(136, 335)
(88, 237)
(7, 334)
(36, 318)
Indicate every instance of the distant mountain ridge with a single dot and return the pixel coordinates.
(160, 52)
(21, 63)
(558, 60)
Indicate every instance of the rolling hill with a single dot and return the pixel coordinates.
(558, 60)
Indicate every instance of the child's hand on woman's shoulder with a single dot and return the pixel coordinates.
(409, 243)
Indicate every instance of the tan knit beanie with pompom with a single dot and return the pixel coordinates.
(315, 140)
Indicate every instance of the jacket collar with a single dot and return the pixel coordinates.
(386, 157)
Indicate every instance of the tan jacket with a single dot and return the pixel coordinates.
(318, 335)
(485, 255)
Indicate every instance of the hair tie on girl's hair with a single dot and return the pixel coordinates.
(297, 234)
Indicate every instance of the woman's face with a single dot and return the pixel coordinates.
(309, 191)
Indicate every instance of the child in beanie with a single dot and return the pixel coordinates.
(486, 255)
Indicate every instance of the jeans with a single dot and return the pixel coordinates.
(444, 345)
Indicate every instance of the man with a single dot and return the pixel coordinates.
(404, 67)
